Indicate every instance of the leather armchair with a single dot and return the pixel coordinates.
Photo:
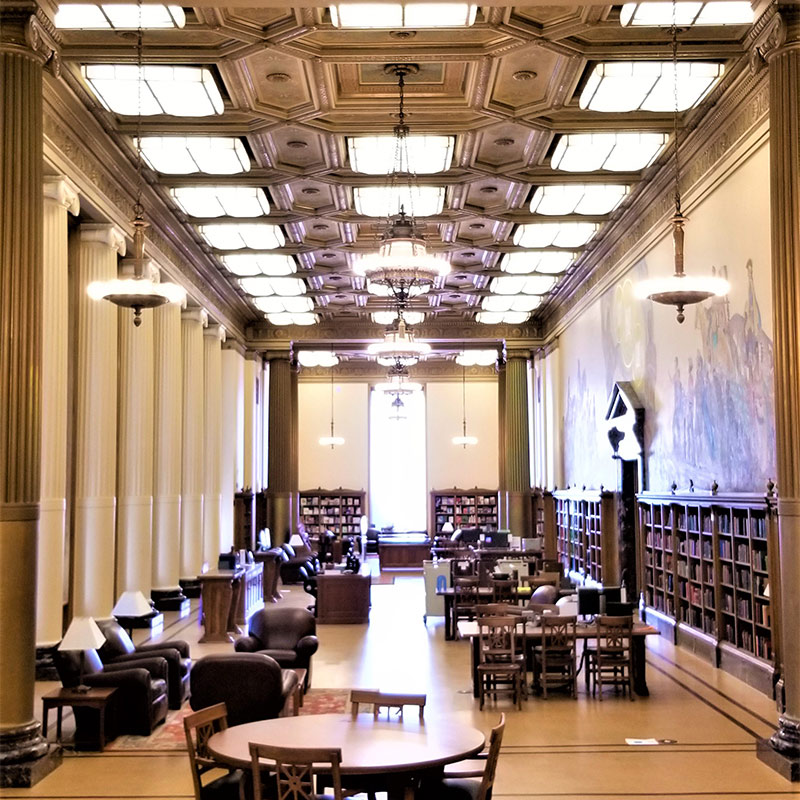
(139, 703)
(295, 559)
(286, 634)
(120, 649)
(251, 685)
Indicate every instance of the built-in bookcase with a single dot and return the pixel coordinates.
(336, 510)
(706, 569)
(585, 535)
(464, 508)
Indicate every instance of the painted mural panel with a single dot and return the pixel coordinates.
(707, 385)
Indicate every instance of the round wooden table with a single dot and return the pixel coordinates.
(369, 746)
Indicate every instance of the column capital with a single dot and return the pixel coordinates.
(215, 331)
(776, 32)
(515, 352)
(104, 233)
(234, 344)
(195, 314)
(27, 30)
(254, 355)
(279, 355)
(63, 191)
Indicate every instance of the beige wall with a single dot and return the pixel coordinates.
(448, 464)
(346, 466)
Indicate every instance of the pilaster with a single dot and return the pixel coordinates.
(232, 426)
(213, 336)
(281, 431)
(517, 461)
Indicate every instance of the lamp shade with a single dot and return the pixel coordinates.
(132, 604)
(448, 527)
(82, 634)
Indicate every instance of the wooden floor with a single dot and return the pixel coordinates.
(558, 748)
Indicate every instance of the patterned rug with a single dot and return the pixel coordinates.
(170, 735)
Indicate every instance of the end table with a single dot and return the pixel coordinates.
(94, 698)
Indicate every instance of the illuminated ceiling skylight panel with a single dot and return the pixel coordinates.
(232, 236)
(549, 234)
(504, 303)
(382, 201)
(376, 155)
(221, 201)
(502, 317)
(247, 264)
(317, 358)
(388, 317)
(523, 284)
(292, 319)
(617, 152)
(545, 261)
(403, 15)
(578, 198)
(177, 91)
(183, 155)
(284, 305)
(86, 16)
(686, 14)
(476, 358)
(283, 287)
(621, 86)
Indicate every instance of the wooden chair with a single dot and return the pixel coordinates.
(294, 769)
(554, 660)
(503, 590)
(465, 599)
(459, 780)
(498, 610)
(610, 662)
(380, 700)
(500, 665)
(199, 728)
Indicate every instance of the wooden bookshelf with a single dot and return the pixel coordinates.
(465, 508)
(544, 521)
(338, 510)
(706, 576)
(586, 541)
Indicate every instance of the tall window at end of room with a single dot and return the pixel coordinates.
(398, 494)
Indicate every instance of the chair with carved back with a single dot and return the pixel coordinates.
(500, 662)
(610, 663)
(466, 597)
(294, 770)
(385, 700)
(554, 659)
(503, 590)
(199, 727)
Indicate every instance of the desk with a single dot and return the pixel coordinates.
(96, 698)
(469, 630)
(484, 594)
(399, 747)
(343, 597)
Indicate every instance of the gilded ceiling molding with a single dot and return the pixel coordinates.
(370, 371)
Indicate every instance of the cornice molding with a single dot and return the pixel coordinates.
(371, 372)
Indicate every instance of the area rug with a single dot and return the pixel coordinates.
(382, 580)
(170, 735)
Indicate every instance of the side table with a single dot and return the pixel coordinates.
(94, 698)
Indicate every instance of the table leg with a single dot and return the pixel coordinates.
(639, 666)
(449, 626)
(101, 733)
(45, 712)
(59, 712)
(474, 657)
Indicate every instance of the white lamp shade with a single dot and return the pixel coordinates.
(132, 604)
(364, 524)
(448, 527)
(82, 634)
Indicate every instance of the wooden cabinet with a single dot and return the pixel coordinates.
(706, 574)
(464, 508)
(586, 535)
(544, 521)
(343, 597)
(338, 510)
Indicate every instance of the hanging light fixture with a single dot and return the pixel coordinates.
(333, 440)
(402, 262)
(399, 347)
(464, 440)
(144, 290)
(680, 290)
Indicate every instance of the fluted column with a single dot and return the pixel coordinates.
(502, 517)
(518, 473)
(167, 440)
(251, 442)
(25, 44)
(95, 425)
(134, 449)
(60, 198)
(281, 431)
(780, 45)
(193, 321)
(213, 336)
(232, 454)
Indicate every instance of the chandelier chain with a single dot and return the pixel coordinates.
(138, 207)
(675, 127)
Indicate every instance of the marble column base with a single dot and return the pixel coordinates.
(785, 764)
(170, 600)
(25, 757)
(190, 587)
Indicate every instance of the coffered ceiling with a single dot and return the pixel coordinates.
(295, 87)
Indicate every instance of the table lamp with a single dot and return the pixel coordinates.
(82, 634)
(131, 606)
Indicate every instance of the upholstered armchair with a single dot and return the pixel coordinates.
(140, 701)
(286, 634)
(295, 559)
(120, 649)
(252, 685)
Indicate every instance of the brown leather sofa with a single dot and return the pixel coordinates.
(138, 705)
(251, 685)
(120, 649)
(286, 634)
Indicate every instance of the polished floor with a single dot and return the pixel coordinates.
(558, 748)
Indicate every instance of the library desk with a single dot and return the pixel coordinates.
(469, 629)
(343, 597)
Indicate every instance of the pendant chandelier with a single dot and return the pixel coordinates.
(680, 290)
(333, 440)
(399, 347)
(402, 262)
(143, 290)
(464, 440)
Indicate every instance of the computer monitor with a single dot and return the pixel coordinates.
(470, 535)
(588, 602)
(601, 600)
(496, 539)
